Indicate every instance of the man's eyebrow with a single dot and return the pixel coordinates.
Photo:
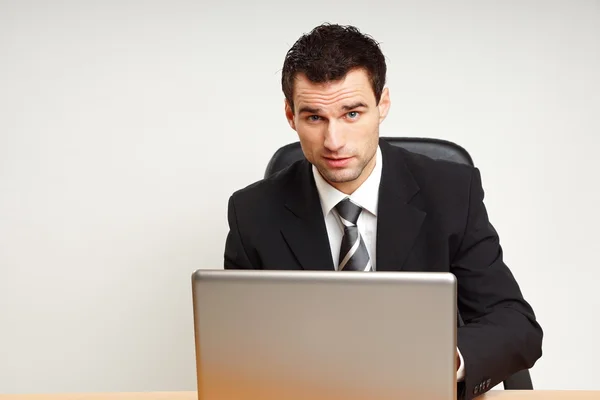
(354, 105)
(310, 110)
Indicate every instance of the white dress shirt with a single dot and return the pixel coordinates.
(367, 197)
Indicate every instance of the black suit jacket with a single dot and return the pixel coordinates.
(431, 217)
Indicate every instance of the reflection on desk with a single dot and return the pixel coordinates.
(492, 395)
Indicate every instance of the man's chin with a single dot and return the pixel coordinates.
(339, 176)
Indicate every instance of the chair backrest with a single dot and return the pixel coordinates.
(433, 148)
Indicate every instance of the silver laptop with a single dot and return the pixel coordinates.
(324, 335)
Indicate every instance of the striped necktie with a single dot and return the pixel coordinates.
(353, 251)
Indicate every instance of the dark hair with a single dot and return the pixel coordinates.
(328, 53)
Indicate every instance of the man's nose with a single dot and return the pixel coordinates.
(334, 139)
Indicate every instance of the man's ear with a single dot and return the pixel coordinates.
(384, 104)
(289, 114)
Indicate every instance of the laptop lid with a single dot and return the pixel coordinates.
(325, 335)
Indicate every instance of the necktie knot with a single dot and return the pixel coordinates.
(348, 211)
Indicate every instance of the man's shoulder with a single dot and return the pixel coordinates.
(444, 187)
(439, 172)
(272, 187)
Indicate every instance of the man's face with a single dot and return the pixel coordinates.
(338, 126)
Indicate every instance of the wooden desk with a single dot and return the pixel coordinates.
(492, 395)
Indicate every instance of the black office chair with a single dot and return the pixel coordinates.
(433, 148)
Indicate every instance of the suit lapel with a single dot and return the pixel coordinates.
(398, 222)
(303, 226)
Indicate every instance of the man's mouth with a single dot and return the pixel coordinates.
(337, 162)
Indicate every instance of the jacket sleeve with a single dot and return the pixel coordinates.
(501, 335)
(235, 254)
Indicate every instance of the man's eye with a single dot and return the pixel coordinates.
(314, 118)
(353, 114)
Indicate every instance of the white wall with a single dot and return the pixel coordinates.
(125, 126)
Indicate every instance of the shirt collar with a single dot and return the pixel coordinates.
(366, 196)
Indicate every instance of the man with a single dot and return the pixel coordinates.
(357, 203)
